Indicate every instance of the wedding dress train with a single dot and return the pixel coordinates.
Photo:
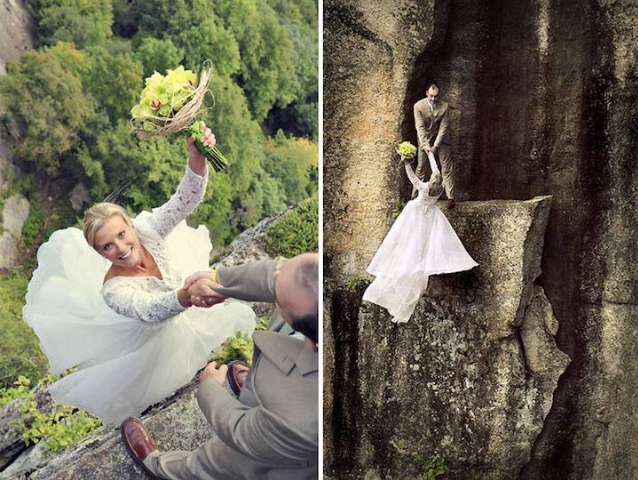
(420, 243)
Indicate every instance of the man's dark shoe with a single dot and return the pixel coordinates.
(138, 442)
(236, 376)
(450, 203)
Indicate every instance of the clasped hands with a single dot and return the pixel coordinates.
(200, 288)
(429, 149)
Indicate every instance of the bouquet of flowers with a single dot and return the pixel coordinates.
(169, 104)
(406, 149)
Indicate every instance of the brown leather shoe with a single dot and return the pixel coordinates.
(236, 376)
(450, 203)
(138, 442)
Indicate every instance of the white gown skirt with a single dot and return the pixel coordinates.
(124, 365)
(420, 243)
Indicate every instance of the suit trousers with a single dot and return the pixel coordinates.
(444, 157)
(215, 460)
(196, 465)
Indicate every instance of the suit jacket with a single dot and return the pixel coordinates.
(271, 432)
(432, 124)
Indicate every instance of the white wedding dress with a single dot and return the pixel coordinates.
(132, 341)
(420, 243)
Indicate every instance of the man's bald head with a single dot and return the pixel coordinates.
(297, 293)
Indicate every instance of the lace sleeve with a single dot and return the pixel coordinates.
(413, 178)
(129, 300)
(188, 195)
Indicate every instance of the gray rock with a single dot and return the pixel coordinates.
(250, 245)
(79, 197)
(535, 110)
(28, 461)
(102, 455)
(473, 372)
(17, 31)
(8, 251)
(14, 213)
(11, 445)
(17, 34)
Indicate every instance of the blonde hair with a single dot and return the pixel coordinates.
(435, 181)
(95, 217)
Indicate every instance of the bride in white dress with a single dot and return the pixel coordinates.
(116, 309)
(420, 243)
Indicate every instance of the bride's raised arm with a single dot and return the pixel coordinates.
(419, 184)
(190, 191)
(411, 175)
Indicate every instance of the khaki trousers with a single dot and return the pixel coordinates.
(199, 464)
(214, 460)
(444, 158)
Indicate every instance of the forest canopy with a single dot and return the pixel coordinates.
(69, 101)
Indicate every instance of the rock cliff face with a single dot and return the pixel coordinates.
(474, 370)
(17, 34)
(15, 212)
(17, 31)
(542, 96)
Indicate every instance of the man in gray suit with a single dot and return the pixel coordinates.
(271, 430)
(432, 121)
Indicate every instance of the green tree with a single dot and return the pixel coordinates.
(210, 41)
(159, 18)
(265, 50)
(301, 116)
(83, 22)
(158, 55)
(114, 81)
(44, 93)
(289, 161)
(147, 171)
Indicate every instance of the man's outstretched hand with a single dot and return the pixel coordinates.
(202, 293)
(217, 374)
(191, 279)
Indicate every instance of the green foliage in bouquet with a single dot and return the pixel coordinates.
(406, 149)
(164, 95)
(213, 154)
(296, 232)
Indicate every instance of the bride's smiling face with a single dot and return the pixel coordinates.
(116, 241)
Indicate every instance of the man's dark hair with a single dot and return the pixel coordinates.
(306, 325)
(434, 86)
(308, 279)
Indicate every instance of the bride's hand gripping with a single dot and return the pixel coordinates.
(191, 279)
(203, 295)
(197, 160)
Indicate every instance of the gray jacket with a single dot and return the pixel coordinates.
(271, 432)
